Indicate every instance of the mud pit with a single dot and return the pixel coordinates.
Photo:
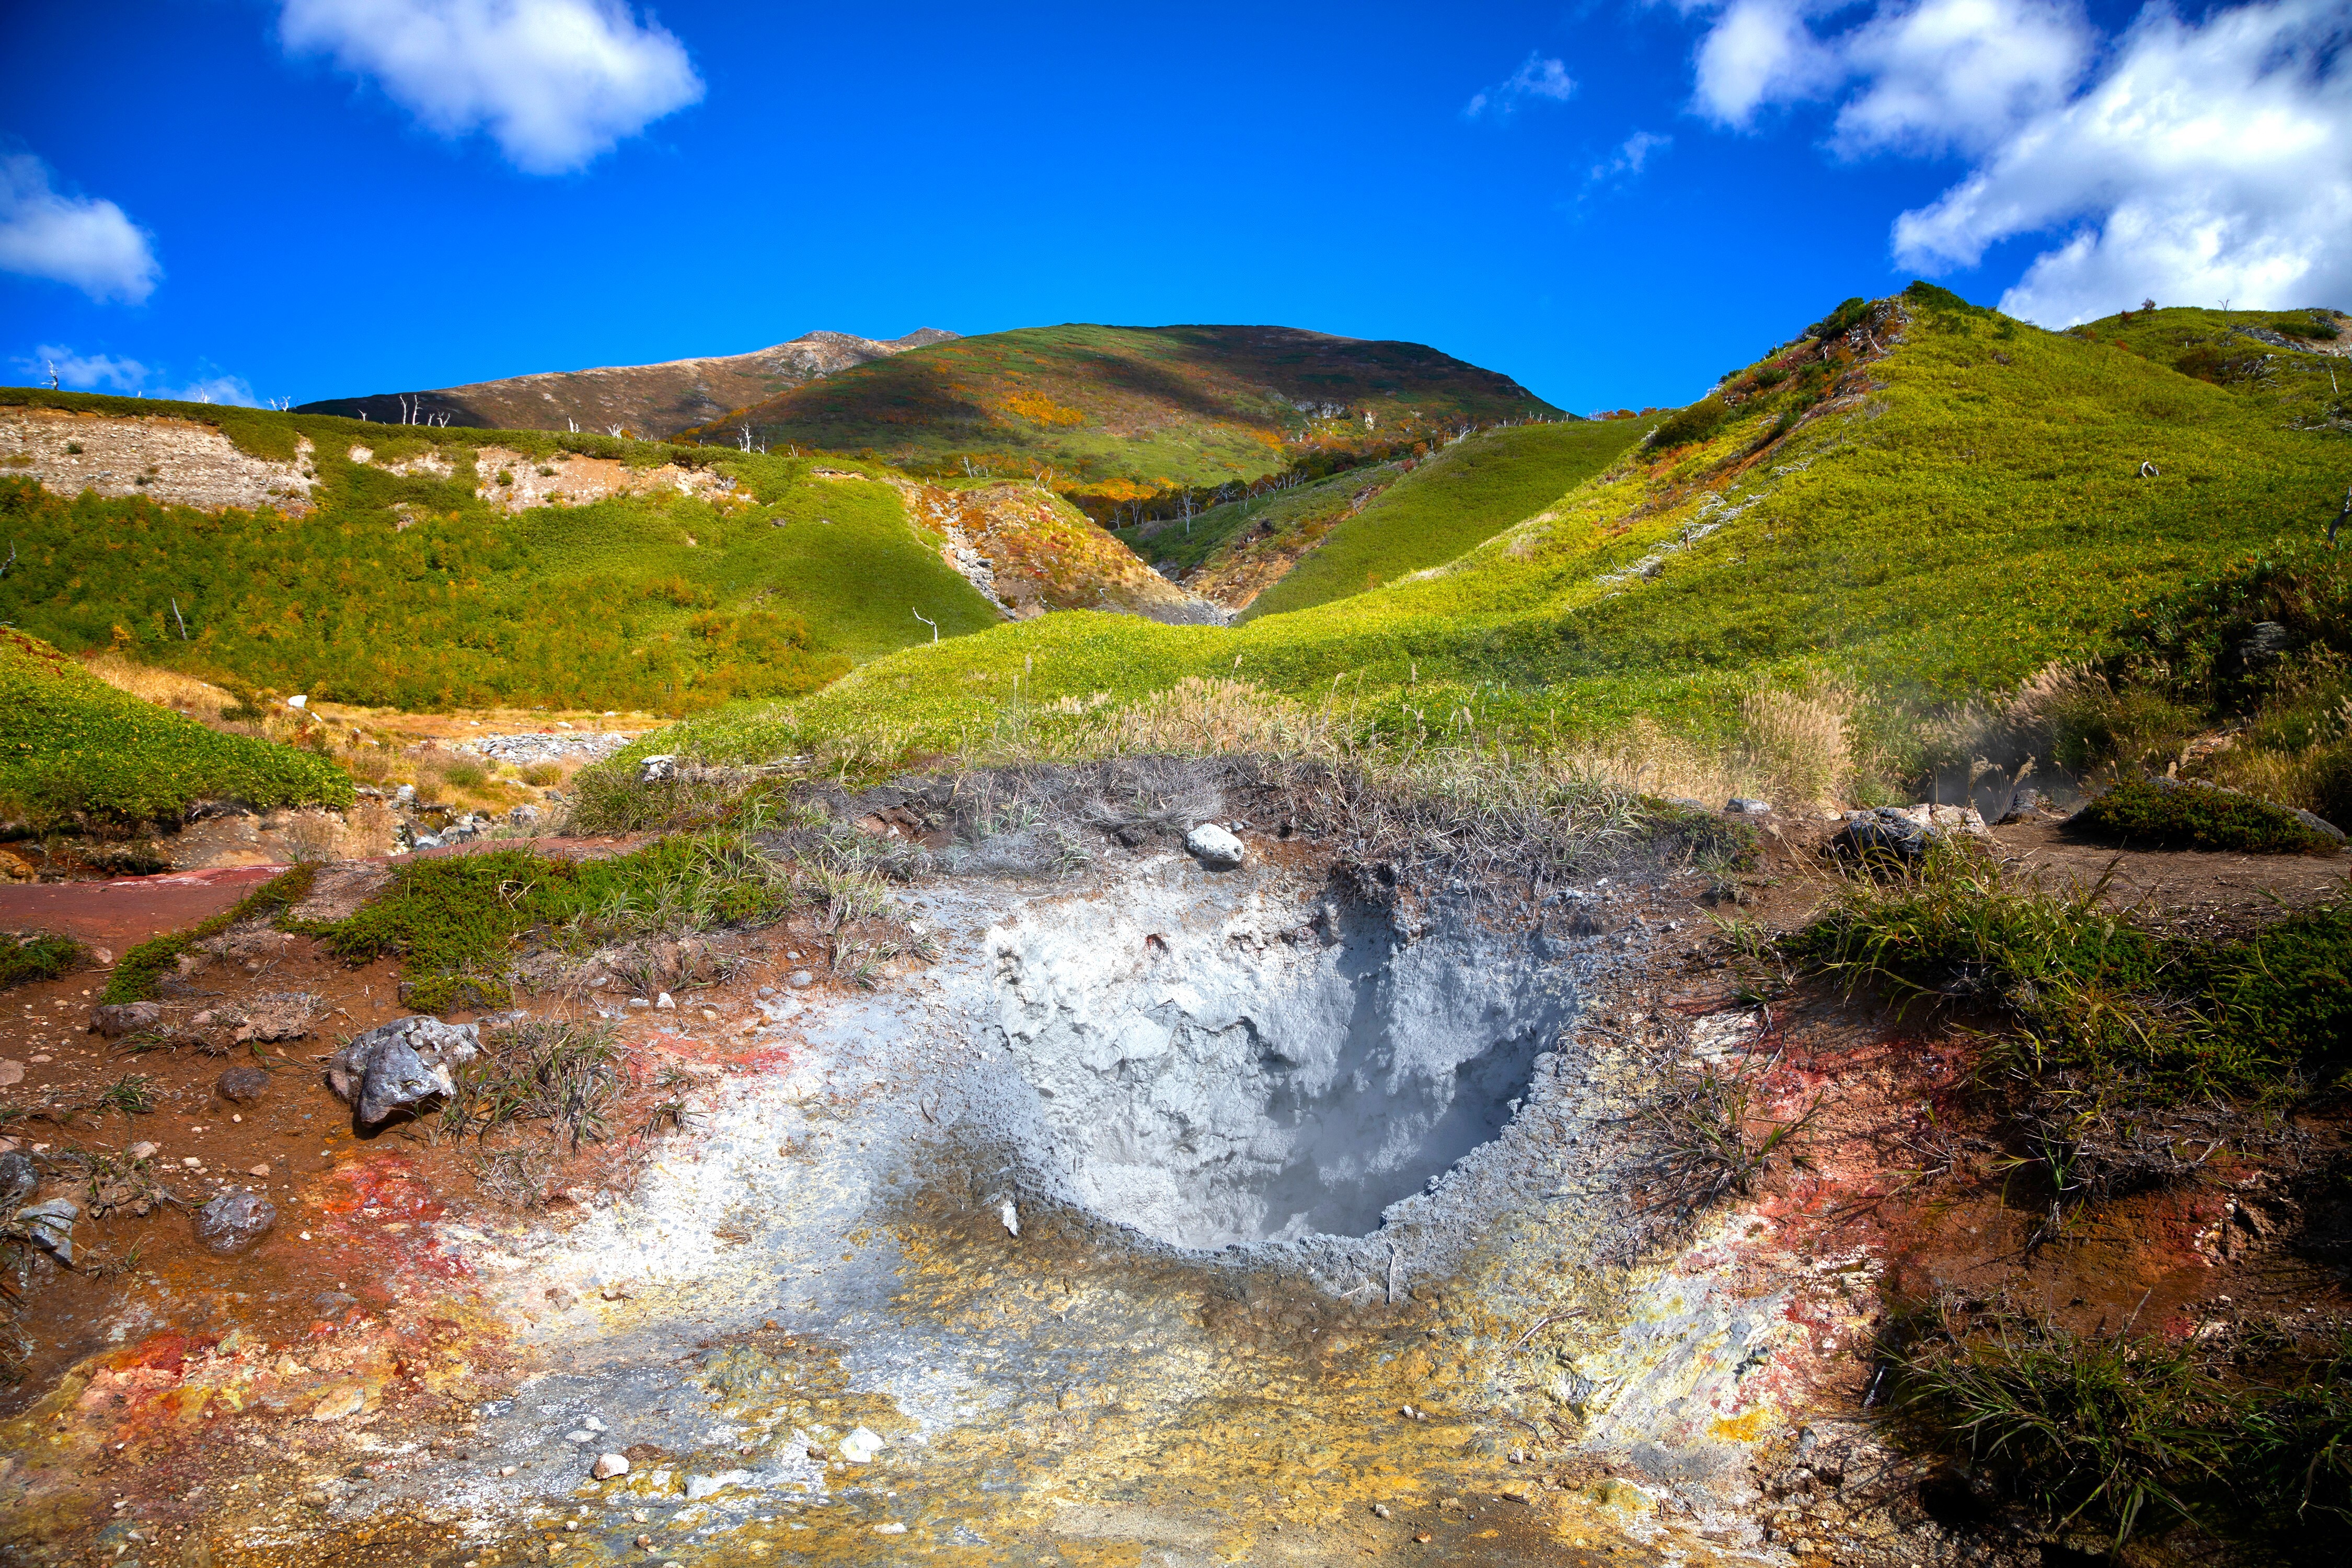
(1167, 1217)
(1213, 1085)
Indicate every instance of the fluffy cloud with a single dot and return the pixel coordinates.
(1760, 52)
(106, 373)
(1933, 74)
(1946, 74)
(2200, 161)
(2209, 161)
(1535, 78)
(554, 82)
(80, 240)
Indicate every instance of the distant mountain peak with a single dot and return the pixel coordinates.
(651, 400)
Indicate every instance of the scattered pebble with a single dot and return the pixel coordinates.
(799, 978)
(665, 1003)
(610, 1465)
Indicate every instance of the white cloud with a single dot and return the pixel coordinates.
(1945, 74)
(1629, 158)
(1535, 78)
(84, 372)
(2209, 161)
(554, 82)
(95, 372)
(81, 240)
(1760, 52)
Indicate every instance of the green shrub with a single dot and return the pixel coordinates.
(2146, 814)
(2317, 331)
(71, 745)
(1693, 423)
(37, 956)
(465, 773)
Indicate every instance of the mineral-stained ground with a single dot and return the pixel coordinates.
(1128, 1213)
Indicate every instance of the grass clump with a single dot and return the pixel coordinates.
(2131, 1433)
(74, 749)
(37, 955)
(567, 1074)
(2089, 992)
(2146, 814)
(453, 920)
(138, 976)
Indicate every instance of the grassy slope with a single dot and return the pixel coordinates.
(1935, 523)
(1458, 499)
(604, 604)
(1121, 412)
(69, 742)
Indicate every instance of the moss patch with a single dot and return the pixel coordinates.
(2145, 814)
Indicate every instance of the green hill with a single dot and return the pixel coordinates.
(1921, 501)
(423, 568)
(1122, 413)
(72, 745)
(1459, 499)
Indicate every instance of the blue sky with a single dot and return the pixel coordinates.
(1612, 202)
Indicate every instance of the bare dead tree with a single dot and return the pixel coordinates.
(931, 623)
(743, 432)
(615, 429)
(53, 375)
(181, 618)
(11, 561)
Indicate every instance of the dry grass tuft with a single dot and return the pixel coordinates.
(164, 688)
(1801, 745)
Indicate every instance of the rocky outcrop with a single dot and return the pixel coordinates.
(175, 462)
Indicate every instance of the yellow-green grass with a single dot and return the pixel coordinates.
(1462, 497)
(72, 746)
(1930, 525)
(408, 591)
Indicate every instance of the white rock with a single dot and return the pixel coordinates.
(610, 1465)
(1010, 1216)
(141, 1151)
(665, 1003)
(860, 1447)
(1214, 845)
(893, 1528)
(700, 1486)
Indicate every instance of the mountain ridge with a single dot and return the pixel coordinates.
(653, 400)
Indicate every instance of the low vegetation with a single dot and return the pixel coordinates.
(454, 921)
(2133, 1432)
(1357, 531)
(2142, 814)
(1935, 504)
(401, 587)
(138, 977)
(1118, 414)
(74, 749)
(37, 955)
